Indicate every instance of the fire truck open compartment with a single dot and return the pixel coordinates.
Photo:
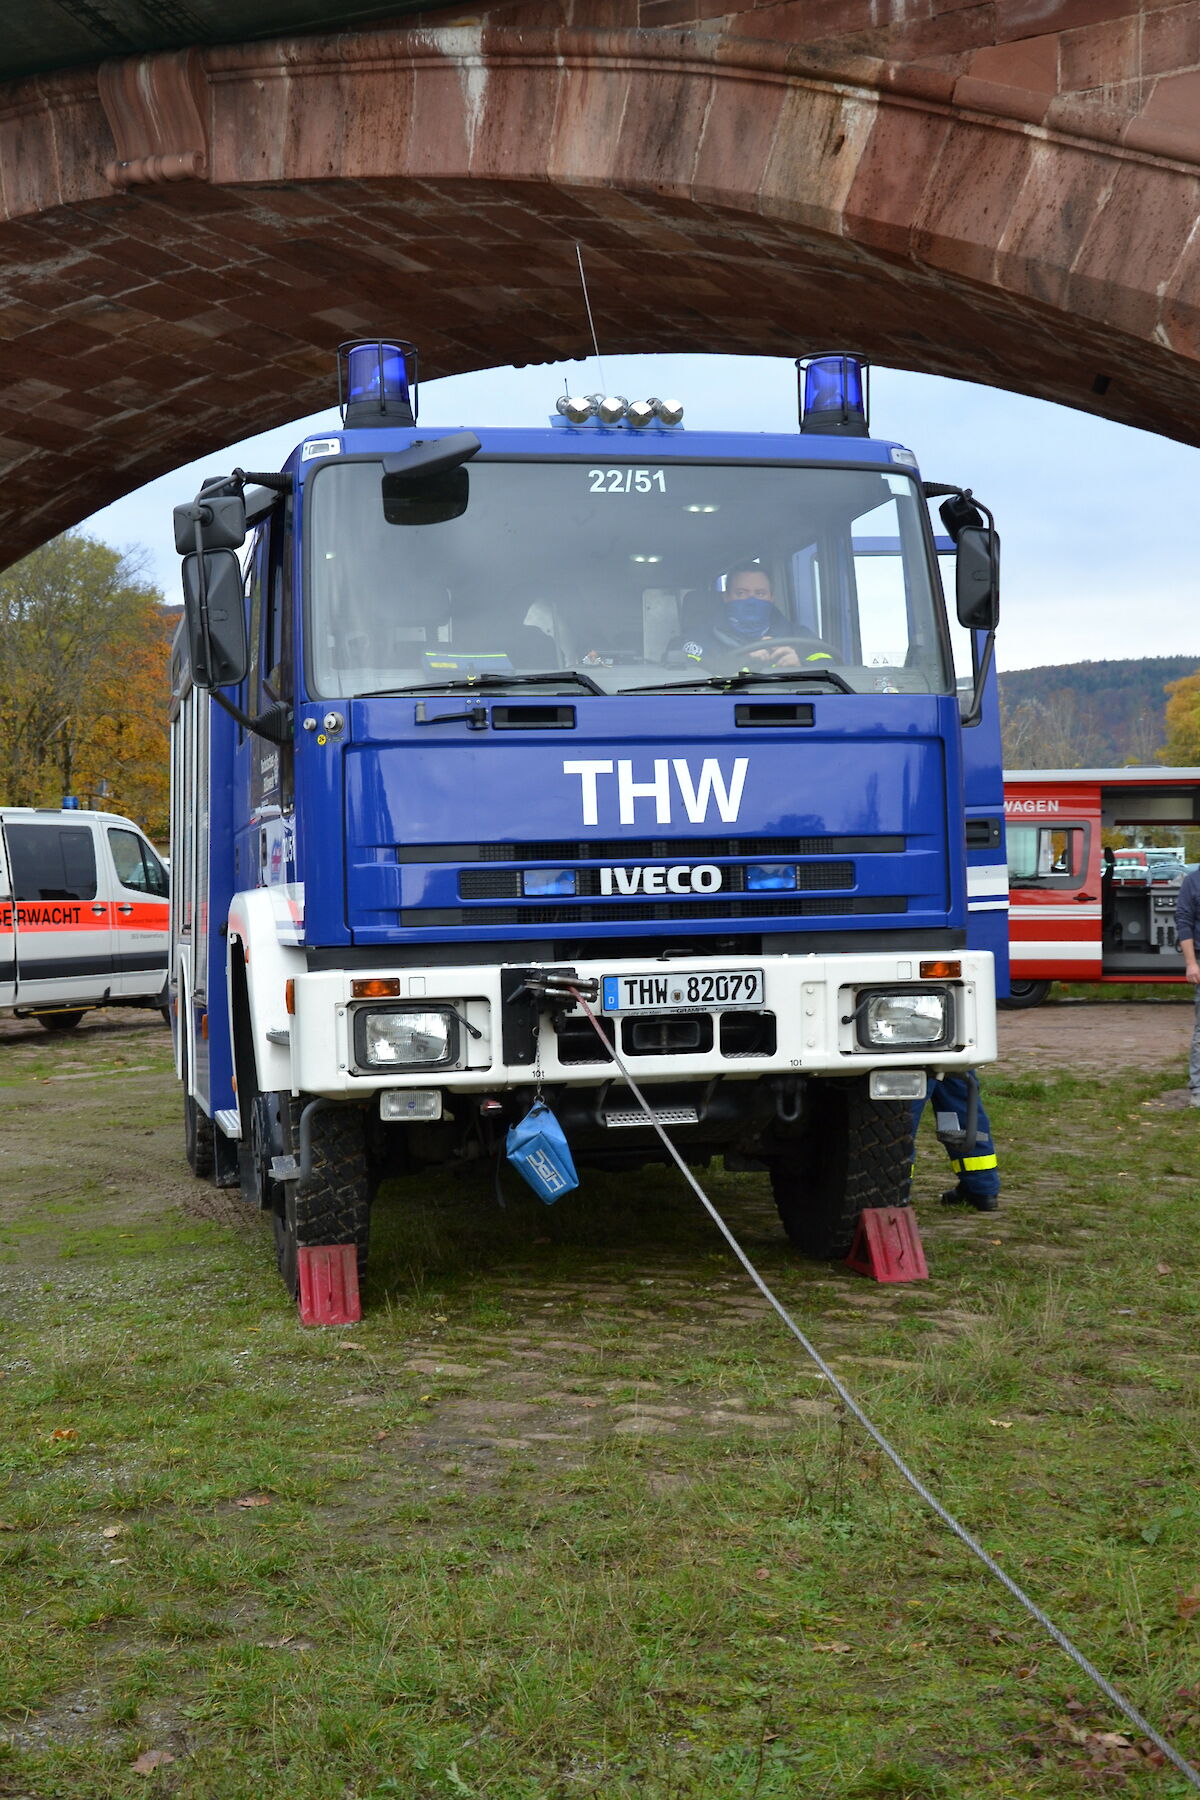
(1071, 917)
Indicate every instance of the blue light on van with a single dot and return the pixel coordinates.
(375, 383)
(834, 395)
(764, 877)
(549, 881)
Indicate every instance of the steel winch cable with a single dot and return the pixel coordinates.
(914, 1481)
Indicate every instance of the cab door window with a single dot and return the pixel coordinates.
(1047, 856)
(52, 862)
(136, 864)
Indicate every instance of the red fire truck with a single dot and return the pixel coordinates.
(1071, 916)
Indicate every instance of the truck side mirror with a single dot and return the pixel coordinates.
(214, 607)
(977, 578)
(222, 520)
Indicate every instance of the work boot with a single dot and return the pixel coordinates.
(961, 1196)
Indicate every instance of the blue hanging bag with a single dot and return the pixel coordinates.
(537, 1148)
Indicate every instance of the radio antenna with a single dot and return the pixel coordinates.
(595, 342)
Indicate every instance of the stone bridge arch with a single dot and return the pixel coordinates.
(184, 237)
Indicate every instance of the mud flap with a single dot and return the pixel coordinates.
(328, 1284)
(887, 1245)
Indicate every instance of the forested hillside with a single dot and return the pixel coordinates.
(1089, 714)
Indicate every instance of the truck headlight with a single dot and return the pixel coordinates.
(405, 1037)
(904, 1018)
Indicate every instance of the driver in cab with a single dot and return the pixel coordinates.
(743, 625)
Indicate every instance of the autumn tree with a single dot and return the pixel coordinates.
(83, 682)
(1182, 748)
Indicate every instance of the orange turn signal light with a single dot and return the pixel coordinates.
(289, 994)
(377, 987)
(941, 971)
(204, 1028)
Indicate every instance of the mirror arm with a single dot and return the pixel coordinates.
(275, 725)
(983, 669)
(202, 515)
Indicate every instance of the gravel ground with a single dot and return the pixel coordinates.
(1096, 1035)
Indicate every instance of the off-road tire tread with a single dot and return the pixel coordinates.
(334, 1206)
(198, 1139)
(854, 1152)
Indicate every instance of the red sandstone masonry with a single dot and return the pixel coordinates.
(975, 216)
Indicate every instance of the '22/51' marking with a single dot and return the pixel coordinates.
(627, 481)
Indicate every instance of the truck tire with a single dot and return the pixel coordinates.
(59, 1021)
(852, 1152)
(198, 1141)
(334, 1205)
(1022, 994)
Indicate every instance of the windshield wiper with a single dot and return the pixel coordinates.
(727, 683)
(488, 679)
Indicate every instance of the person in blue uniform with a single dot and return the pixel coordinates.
(743, 625)
(1187, 933)
(978, 1175)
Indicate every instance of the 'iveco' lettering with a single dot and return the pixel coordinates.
(682, 878)
(697, 792)
(32, 914)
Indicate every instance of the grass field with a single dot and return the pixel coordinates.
(569, 1514)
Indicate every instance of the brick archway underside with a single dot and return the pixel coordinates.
(184, 238)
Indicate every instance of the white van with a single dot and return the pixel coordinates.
(83, 915)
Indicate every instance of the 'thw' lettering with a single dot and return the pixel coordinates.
(672, 781)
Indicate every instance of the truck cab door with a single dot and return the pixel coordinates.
(140, 914)
(60, 904)
(987, 866)
(8, 933)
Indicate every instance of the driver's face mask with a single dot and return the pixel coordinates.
(748, 618)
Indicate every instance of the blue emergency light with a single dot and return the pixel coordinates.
(833, 395)
(374, 384)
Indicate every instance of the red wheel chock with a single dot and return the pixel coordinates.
(887, 1245)
(329, 1284)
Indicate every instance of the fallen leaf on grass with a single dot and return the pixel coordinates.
(112, 1531)
(150, 1760)
(831, 1649)
(254, 1500)
(1186, 1605)
(1162, 1268)
(762, 1574)
(115, 1561)
(7, 1525)
(63, 1433)
(1004, 1424)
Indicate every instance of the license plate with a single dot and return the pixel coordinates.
(678, 990)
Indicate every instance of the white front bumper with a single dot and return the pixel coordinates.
(812, 999)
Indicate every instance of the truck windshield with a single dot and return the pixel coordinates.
(637, 574)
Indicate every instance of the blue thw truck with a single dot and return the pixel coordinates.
(496, 752)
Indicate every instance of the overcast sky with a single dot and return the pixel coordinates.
(1095, 563)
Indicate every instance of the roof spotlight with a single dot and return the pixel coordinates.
(641, 413)
(612, 409)
(578, 408)
(669, 411)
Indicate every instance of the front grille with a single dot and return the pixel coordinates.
(568, 912)
(505, 884)
(648, 849)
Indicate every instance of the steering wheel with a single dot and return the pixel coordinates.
(734, 660)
